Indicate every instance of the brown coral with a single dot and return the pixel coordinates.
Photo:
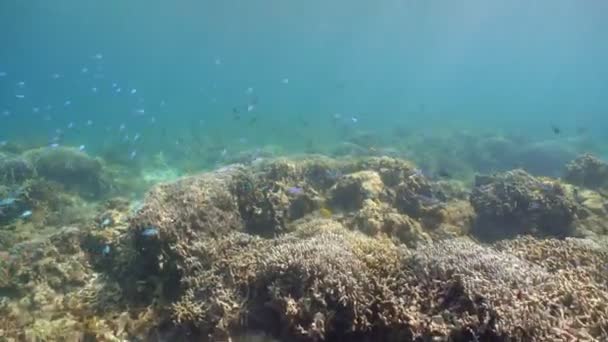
(515, 202)
(588, 171)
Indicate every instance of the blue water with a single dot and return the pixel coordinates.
(433, 66)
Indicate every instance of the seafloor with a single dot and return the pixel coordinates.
(306, 248)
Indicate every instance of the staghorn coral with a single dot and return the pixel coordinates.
(515, 202)
(304, 279)
(323, 282)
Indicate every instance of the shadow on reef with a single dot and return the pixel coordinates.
(319, 249)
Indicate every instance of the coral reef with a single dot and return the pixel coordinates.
(353, 189)
(515, 203)
(324, 282)
(308, 249)
(71, 168)
(15, 169)
(588, 171)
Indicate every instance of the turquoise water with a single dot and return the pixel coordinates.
(103, 100)
(307, 68)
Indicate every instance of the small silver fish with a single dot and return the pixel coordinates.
(150, 231)
(105, 251)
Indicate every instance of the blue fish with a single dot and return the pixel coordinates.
(294, 190)
(26, 214)
(149, 232)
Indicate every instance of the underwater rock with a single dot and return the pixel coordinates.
(454, 218)
(415, 196)
(515, 202)
(353, 189)
(15, 169)
(202, 204)
(588, 171)
(73, 169)
(379, 218)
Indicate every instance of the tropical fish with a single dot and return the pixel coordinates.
(294, 190)
(325, 212)
(149, 232)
